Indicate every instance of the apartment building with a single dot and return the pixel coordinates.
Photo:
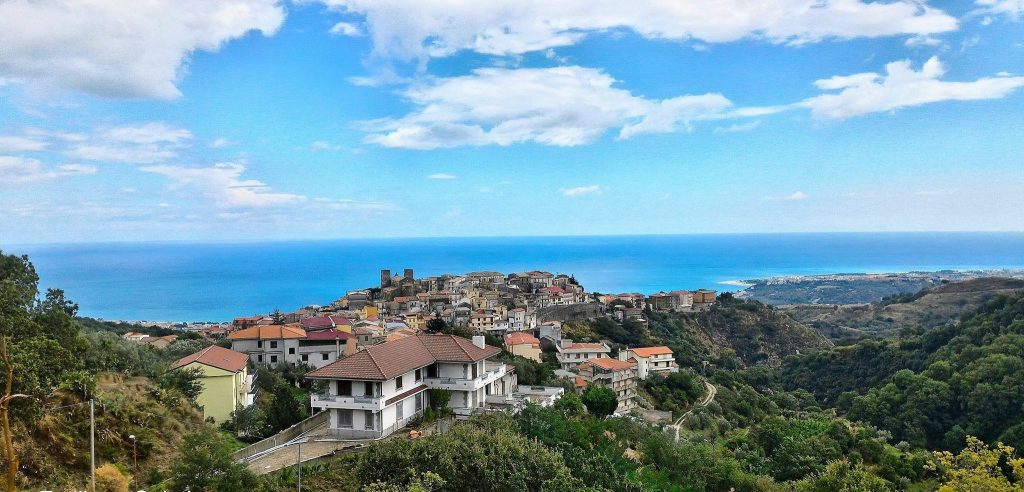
(651, 360)
(616, 375)
(570, 354)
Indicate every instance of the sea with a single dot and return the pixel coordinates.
(197, 282)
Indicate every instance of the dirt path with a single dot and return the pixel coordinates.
(709, 397)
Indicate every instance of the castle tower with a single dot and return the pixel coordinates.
(385, 278)
(408, 274)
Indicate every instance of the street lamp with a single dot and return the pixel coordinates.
(135, 458)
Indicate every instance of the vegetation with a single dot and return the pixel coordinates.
(600, 401)
(931, 387)
(790, 413)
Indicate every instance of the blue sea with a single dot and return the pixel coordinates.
(217, 281)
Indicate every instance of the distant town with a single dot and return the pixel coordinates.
(380, 349)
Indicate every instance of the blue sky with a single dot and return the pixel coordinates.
(255, 119)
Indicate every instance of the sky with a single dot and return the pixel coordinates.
(265, 120)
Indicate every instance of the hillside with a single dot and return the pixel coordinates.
(931, 387)
(751, 331)
(57, 455)
(929, 308)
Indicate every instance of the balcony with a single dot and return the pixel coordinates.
(350, 402)
(491, 373)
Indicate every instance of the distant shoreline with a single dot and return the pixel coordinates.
(747, 286)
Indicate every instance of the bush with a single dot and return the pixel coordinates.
(110, 479)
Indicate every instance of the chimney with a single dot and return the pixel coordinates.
(478, 340)
(566, 342)
(350, 346)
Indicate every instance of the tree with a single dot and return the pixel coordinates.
(208, 467)
(437, 325)
(979, 468)
(600, 401)
(569, 405)
(186, 380)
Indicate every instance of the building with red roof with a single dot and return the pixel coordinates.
(376, 391)
(651, 360)
(619, 376)
(224, 378)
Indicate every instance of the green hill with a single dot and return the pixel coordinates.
(750, 331)
(930, 307)
(930, 387)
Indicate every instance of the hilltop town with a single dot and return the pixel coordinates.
(379, 351)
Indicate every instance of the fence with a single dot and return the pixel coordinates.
(281, 437)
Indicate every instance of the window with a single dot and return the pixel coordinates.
(419, 374)
(273, 344)
(432, 371)
(368, 389)
(475, 370)
(260, 358)
(345, 418)
(399, 414)
(419, 402)
(273, 358)
(325, 356)
(259, 343)
(305, 357)
(368, 419)
(291, 350)
(398, 383)
(345, 388)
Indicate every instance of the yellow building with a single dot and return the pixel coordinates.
(224, 380)
(370, 311)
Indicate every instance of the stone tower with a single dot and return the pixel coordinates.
(385, 278)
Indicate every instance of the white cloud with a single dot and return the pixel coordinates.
(582, 190)
(320, 145)
(410, 29)
(148, 133)
(139, 144)
(1013, 8)
(562, 106)
(346, 29)
(223, 184)
(113, 48)
(221, 143)
(14, 143)
(901, 86)
(21, 170)
(739, 127)
(792, 197)
(442, 176)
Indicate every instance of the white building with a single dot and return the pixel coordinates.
(571, 354)
(651, 360)
(376, 391)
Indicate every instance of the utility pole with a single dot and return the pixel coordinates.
(92, 443)
(298, 462)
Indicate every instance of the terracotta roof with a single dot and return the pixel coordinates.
(406, 394)
(521, 338)
(395, 357)
(379, 362)
(649, 351)
(269, 332)
(215, 356)
(317, 322)
(587, 347)
(611, 364)
(328, 335)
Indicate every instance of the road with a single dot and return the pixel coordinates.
(710, 392)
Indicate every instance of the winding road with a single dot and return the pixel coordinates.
(709, 397)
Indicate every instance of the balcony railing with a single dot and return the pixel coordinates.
(338, 401)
